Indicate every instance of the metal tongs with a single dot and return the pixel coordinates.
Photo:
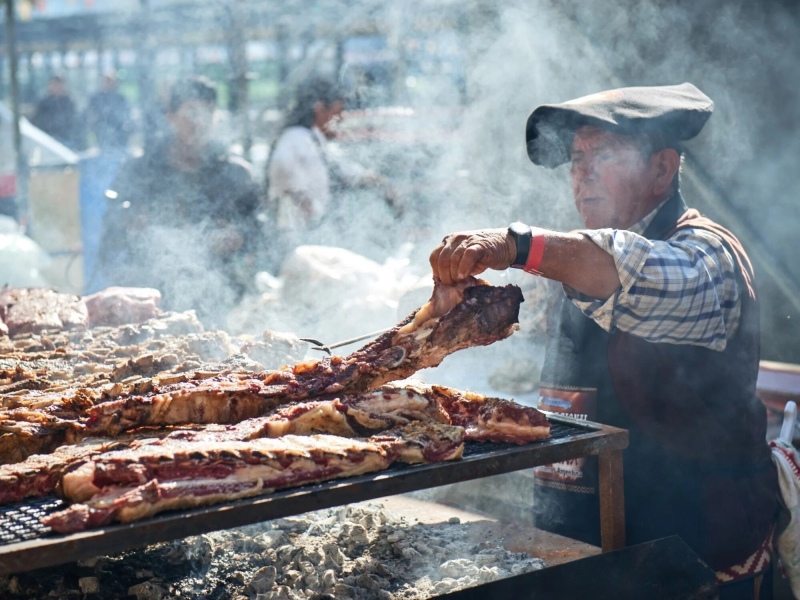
(327, 348)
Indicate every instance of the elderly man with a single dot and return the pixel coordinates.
(658, 332)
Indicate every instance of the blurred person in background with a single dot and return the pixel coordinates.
(657, 333)
(182, 218)
(56, 114)
(304, 177)
(108, 115)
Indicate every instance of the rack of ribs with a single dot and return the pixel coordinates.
(135, 483)
(484, 314)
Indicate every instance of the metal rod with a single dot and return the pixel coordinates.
(320, 346)
(21, 161)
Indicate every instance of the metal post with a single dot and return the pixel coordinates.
(236, 18)
(147, 95)
(19, 152)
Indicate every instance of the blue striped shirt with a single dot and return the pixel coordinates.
(679, 291)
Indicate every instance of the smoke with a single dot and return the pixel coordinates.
(468, 74)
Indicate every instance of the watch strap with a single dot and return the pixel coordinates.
(522, 236)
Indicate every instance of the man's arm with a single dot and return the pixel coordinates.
(570, 258)
(679, 291)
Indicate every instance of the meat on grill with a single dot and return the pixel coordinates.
(39, 474)
(120, 305)
(226, 398)
(132, 484)
(350, 415)
(20, 439)
(33, 310)
(484, 315)
(492, 419)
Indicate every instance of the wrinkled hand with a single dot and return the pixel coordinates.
(468, 253)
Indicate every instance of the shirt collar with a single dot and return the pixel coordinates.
(642, 225)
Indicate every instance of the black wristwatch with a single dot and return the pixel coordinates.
(522, 235)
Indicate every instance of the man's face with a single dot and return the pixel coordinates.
(57, 87)
(612, 182)
(327, 117)
(192, 123)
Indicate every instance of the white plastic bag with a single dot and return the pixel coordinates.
(21, 259)
(787, 461)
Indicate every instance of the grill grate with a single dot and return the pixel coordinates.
(21, 521)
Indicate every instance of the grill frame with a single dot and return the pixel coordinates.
(570, 439)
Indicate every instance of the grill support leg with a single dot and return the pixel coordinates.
(612, 501)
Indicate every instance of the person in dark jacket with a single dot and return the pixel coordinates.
(182, 218)
(56, 114)
(657, 333)
(108, 115)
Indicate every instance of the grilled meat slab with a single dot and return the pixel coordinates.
(485, 314)
(39, 474)
(492, 419)
(33, 310)
(132, 484)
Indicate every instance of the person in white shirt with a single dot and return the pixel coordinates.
(303, 174)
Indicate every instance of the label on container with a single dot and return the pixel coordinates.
(569, 475)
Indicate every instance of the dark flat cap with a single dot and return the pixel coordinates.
(678, 112)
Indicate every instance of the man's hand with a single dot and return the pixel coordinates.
(461, 255)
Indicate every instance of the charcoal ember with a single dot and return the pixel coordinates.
(89, 585)
(286, 554)
(395, 536)
(329, 581)
(147, 590)
(281, 593)
(525, 565)
(446, 585)
(229, 564)
(458, 568)
(487, 574)
(263, 580)
(370, 582)
(269, 539)
(334, 557)
(344, 591)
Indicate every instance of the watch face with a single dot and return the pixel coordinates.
(518, 228)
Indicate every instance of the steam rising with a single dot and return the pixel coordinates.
(462, 164)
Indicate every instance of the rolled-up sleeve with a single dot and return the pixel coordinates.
(680, 291)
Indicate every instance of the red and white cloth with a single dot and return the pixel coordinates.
(787, 542)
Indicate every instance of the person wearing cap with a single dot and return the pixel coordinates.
(657, 332)
(182, 218)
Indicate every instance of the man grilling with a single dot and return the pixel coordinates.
(657, 332)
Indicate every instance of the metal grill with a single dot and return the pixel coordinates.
(27, 544)
(20, 522)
